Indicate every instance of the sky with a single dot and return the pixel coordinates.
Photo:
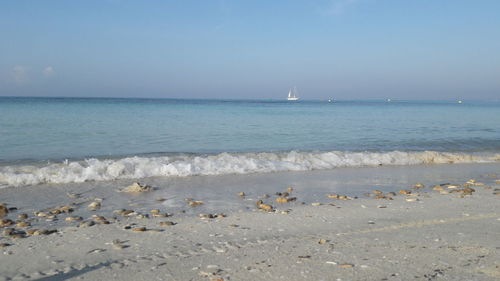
(251, 49)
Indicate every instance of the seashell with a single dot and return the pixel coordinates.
(437, 188)
(316, 204)
(142, 216)
(118, 245)
(6, 222)
(380, 196)
(259, 202)
(22, 216)
(23, 224)
(162, 215)
(289, 189)
(241, 194)
(451, 186)
(265, 207)
(86, 224)
(73, 218)
(124, 212)
(344, 197)
(206, 216)
(137, 188)
(381, 206)
(94, 206)
(444, 192)
(44, 231)
(418, 186)
(139, 229)
(3, 245)
(160, 199)
(3, 210)
(31, 231)
(155, 211)
(411, 199)
(405, 192)
(333, 196)
(167, 223)
(73, 195)
(41, 214)
(281, 200)
(346, 265)
(195, 203)
(322, 241)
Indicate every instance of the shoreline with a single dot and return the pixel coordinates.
(424, 236)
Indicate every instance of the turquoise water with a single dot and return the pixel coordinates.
(38, 130)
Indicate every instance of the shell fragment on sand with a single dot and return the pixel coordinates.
(94, 206)
(137, 188)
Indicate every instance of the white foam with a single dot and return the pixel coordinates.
(221, 164)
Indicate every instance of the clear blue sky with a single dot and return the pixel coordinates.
(356, 49)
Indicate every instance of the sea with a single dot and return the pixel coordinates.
(75, 140)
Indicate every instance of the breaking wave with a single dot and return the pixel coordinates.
(221, 164)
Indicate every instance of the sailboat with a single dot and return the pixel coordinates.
(292, 94)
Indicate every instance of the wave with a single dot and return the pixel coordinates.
(221, 164)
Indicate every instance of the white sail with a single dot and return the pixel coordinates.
(292, 94)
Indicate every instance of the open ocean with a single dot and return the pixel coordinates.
(65, 140)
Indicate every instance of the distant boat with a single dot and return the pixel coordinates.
(292, 96)
(459, 101)
(389, 100)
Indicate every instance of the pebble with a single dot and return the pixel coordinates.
(241, 194)
(405, 192)
(316, 204)
(155, 211)
(322, 241)
(160, 199)
(411, 199)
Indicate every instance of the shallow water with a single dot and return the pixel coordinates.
(220, 193)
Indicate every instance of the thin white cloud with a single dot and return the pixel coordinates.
(48, 71)
(20, 74)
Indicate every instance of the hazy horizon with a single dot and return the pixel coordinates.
(341, 49)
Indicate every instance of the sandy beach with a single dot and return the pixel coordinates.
(441, 230)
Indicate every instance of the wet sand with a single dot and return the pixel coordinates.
(450, 233)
